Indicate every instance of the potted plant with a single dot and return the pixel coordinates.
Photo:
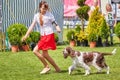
(22, 31)
(25, 45)
(82, 37)
(82, 12)
(15, 33)
(14, 41)
(104, 31)
(93, 26)
(92, 38)
(77, 32)
(117, 30)
(35, 37)
(14, 38)
(71, 37)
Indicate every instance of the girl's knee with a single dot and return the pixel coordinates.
(34, 51)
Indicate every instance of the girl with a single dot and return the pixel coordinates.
(110, 19)
(47, 41)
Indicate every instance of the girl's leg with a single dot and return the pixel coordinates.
(50, 60)
(36, 52)
(46, 67)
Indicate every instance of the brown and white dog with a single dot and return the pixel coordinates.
(85, 59)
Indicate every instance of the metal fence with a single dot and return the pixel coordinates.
(22, 11)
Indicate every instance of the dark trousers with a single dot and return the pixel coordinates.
(111, 35)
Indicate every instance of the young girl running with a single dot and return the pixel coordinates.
(47, 41)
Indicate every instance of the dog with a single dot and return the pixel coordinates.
(85, 59)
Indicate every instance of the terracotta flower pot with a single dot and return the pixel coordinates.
(72, 43)
(92, 44)
(26, 47)
(14, 48)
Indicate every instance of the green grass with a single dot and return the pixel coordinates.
(26, 66)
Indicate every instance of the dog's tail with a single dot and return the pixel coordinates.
(113, 52)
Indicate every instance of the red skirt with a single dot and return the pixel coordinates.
(47, 42)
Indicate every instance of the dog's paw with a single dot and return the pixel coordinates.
(87, 73)
(70, 73)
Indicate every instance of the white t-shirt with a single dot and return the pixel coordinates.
(47, 27)
(110, 18)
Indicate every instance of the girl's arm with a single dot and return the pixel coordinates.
(57, 27)
(29, 31)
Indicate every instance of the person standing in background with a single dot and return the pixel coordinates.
(110, 19)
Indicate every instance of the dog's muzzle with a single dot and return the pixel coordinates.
(65, 54)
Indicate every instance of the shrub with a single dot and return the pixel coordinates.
(104, 30)
(35, 36)
(94, 25)
(117, 30)
(70, 35)
(56, 37)
(16, 32)
(82, 12)
(82, 36)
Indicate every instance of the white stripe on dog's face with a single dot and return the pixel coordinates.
(65, 53)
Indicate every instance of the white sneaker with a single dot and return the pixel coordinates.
(45, 70)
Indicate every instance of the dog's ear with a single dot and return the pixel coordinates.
(69, 49)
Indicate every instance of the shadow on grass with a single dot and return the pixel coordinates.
(95, 73)
(64, 71)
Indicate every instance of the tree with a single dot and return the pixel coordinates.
(117, 30)
(94, 25)
(82, 12)
(104, 30)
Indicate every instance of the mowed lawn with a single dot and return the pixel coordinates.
(26, 66)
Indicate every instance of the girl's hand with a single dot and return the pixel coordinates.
(23, 38)
(58, 29)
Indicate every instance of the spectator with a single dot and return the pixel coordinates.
(110, 19)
